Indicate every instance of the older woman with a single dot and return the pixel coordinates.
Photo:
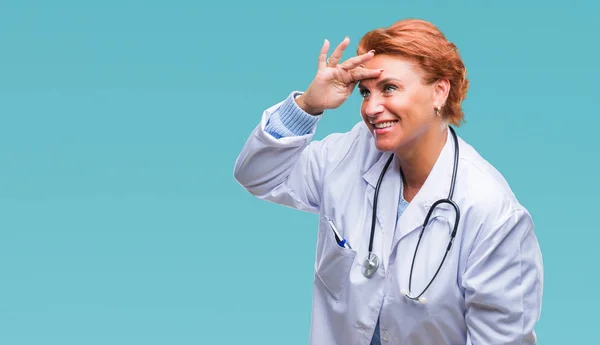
(420, 239)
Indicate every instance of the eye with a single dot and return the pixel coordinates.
(389, 88)
(364, 93)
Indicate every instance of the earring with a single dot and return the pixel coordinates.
(438, 111)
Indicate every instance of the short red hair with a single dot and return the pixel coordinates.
(425, 44)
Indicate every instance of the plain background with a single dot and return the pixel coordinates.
(120, 122)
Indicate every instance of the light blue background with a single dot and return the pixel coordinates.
(120, 121)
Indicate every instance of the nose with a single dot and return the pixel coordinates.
(372, 106)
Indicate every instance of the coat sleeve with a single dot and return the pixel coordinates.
(289, 169)
(503, 284)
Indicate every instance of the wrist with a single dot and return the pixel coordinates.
(307, 108)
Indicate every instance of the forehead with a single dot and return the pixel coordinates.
(396, 67)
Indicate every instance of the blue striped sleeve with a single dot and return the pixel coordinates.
(291, 120)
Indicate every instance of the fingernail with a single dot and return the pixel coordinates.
(381, 70)
(372, 51)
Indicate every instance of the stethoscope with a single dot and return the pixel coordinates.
(371, 262)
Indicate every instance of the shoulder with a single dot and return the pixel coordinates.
(490, 203)
(355, 147)
(358, 137)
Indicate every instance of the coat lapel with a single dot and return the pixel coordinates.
(436, 186)
(389, 193)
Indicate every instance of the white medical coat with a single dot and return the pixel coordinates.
(489, 289)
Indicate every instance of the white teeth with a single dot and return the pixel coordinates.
(385, 124)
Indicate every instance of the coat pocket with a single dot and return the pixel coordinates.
(333, 262)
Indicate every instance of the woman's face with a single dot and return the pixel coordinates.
(398, 107)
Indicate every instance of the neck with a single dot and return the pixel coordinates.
(417, 161)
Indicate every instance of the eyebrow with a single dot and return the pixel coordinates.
(383, 81)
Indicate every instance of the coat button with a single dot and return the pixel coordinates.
(385, 336)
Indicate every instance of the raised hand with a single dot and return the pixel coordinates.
(335, 81)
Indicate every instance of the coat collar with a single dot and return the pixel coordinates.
(436, 186)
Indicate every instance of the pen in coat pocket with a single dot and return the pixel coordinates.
(339, 239)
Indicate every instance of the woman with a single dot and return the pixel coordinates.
(477, 275)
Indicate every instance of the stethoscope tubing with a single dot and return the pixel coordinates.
(427, 218)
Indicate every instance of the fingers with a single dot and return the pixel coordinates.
(357, 60)
(323, 55)
(338, 52)
(360, 73)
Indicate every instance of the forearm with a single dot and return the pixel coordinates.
(276, 163)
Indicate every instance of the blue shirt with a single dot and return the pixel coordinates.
(290, 120)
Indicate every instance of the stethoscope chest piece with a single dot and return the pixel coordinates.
(370, 265)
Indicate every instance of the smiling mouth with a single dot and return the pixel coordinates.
(385, 124)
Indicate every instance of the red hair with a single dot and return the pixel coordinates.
(425, 44)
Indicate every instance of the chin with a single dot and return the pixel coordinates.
(385, 145)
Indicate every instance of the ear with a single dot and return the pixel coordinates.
(441, 89)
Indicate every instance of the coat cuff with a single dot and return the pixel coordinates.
(290, 120)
